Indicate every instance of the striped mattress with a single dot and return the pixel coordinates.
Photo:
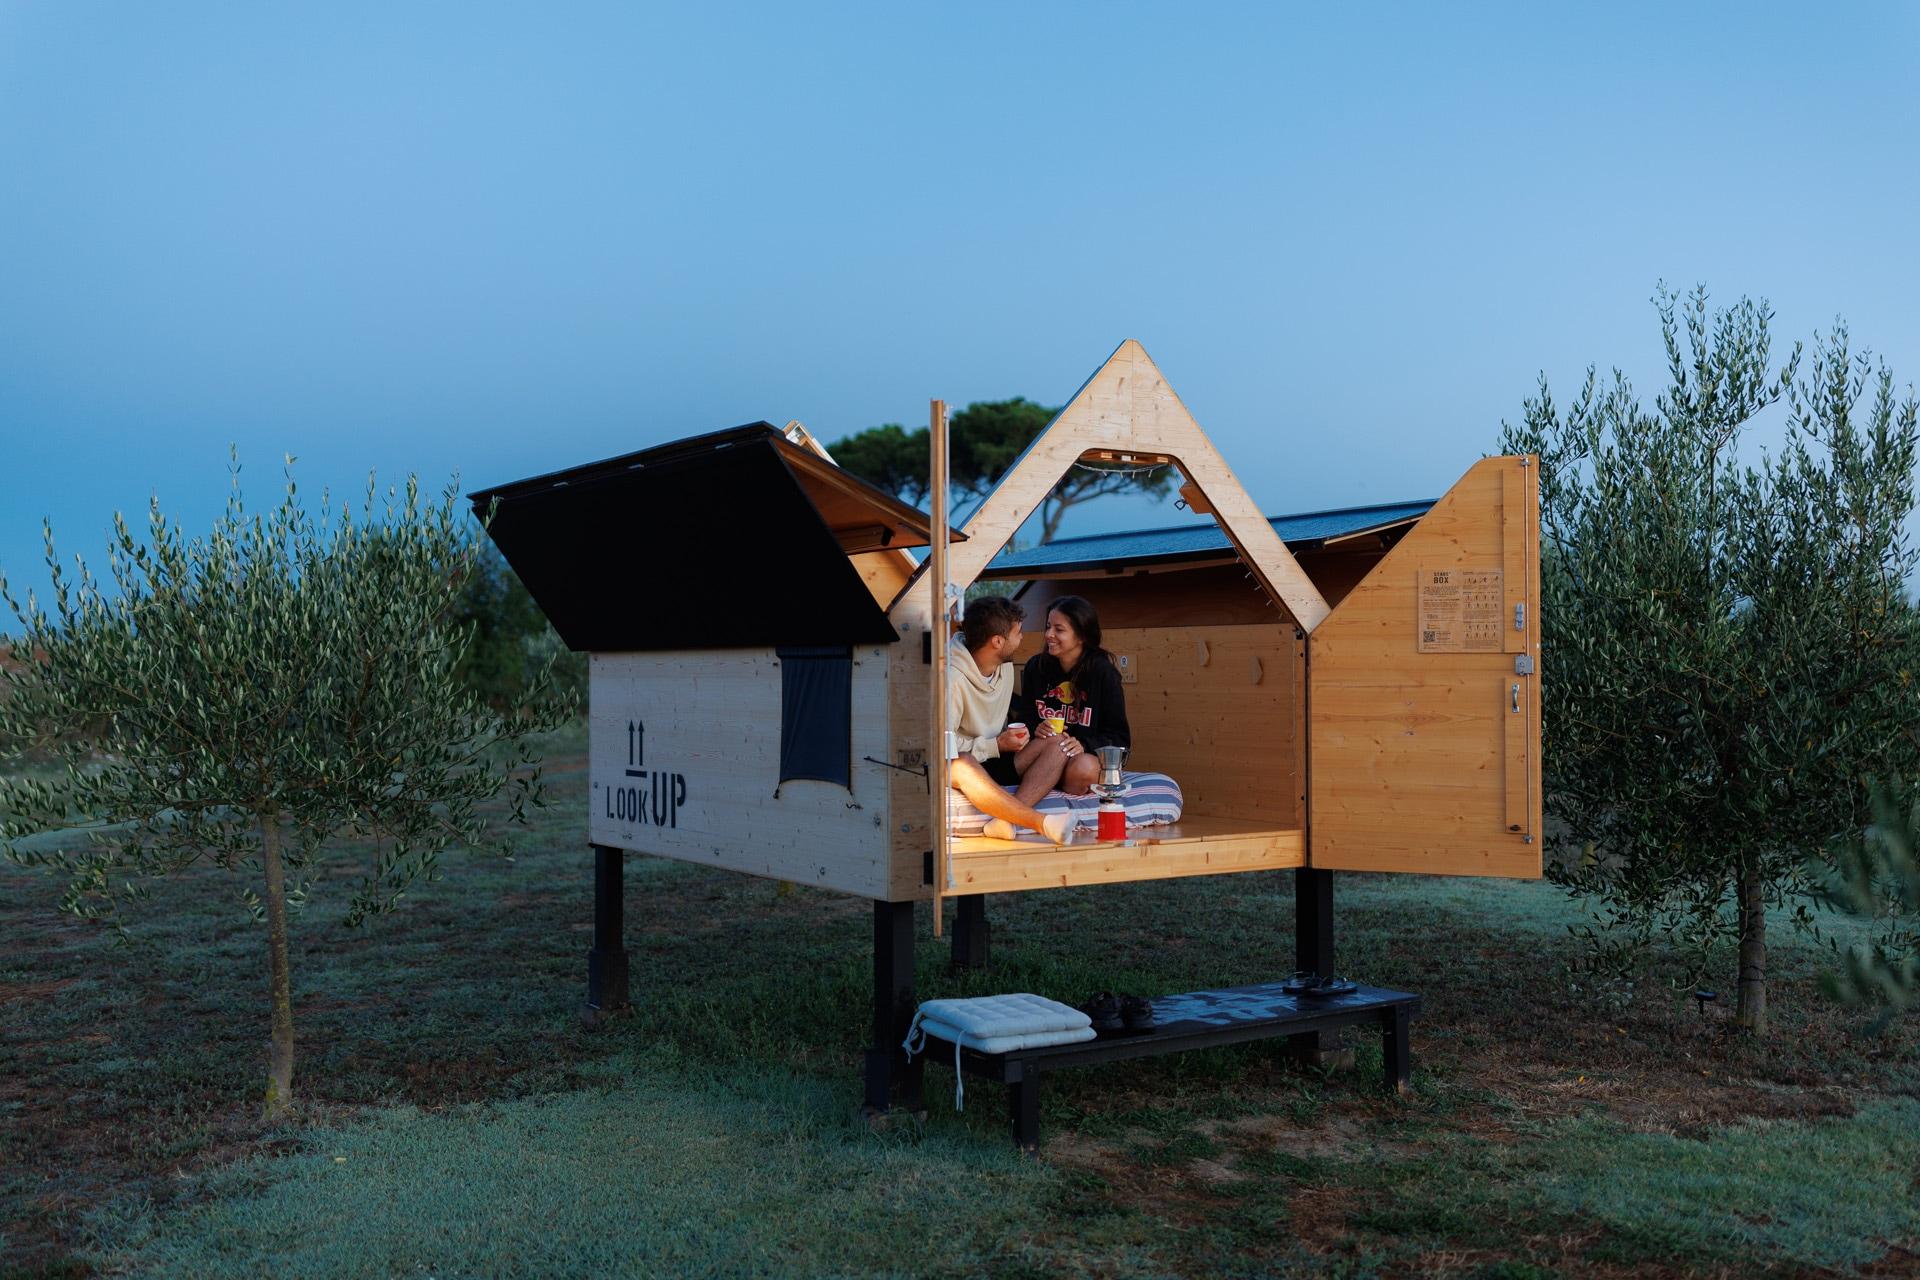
(1152, 800)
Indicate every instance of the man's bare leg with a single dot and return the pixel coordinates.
(971, 781)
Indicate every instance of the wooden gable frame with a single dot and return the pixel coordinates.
(1126, 410)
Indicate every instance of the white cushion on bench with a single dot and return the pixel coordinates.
(1008, 1015)
(1006, 1043)
(995, 1024)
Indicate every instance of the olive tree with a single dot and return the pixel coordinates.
(1730, 646)
(251, 699)
(511, 640)
(1876, 874)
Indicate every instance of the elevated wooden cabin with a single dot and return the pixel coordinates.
(1352, 690)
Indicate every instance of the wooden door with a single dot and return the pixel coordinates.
(1423, 694)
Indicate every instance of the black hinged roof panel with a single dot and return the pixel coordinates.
(732, 539)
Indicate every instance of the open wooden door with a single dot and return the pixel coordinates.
(1423, 694)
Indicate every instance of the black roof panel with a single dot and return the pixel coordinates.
(703, 543)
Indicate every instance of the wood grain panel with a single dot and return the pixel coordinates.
(1218, 595)
(1189, 849)
(1224, 728)
(1513, 547)
(1413, 765)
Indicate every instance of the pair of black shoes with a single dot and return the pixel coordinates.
(1119, 1015)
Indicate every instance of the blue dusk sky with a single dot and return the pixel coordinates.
(497, 240)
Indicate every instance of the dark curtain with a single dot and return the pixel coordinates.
(816, 713)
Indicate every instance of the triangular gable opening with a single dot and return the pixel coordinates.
(1126, 411)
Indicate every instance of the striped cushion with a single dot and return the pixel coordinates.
(1152, 800)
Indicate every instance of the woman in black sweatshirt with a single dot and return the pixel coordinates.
(1075, 681)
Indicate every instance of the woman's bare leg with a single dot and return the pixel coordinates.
(1081, 773)
(1040, 764)
(971, 781)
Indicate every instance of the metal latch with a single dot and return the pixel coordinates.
(1523, 664)
(1520, 616)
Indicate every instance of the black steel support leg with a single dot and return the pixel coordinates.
(1312, 947)
(1394, 1050)
(970, 932)
(1023, 1109)
(891, 1080)
(607, 961)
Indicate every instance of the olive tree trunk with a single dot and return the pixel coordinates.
(280, 1048)
(1751, 989)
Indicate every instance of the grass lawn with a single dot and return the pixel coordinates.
(457, 1119)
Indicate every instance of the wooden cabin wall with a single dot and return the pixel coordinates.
(1219, 708)
(1216, 595)
(700, 767)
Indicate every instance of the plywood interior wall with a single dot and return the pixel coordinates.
(1336, 571)
(1212, 595)
(1219, 708)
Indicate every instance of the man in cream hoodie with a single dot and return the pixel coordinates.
(980, 679)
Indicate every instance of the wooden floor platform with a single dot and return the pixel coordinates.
(1194, 846)
(1193, 1020)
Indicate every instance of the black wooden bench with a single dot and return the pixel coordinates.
(1194, 1020)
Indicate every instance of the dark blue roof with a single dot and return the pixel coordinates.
(1196, 541)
